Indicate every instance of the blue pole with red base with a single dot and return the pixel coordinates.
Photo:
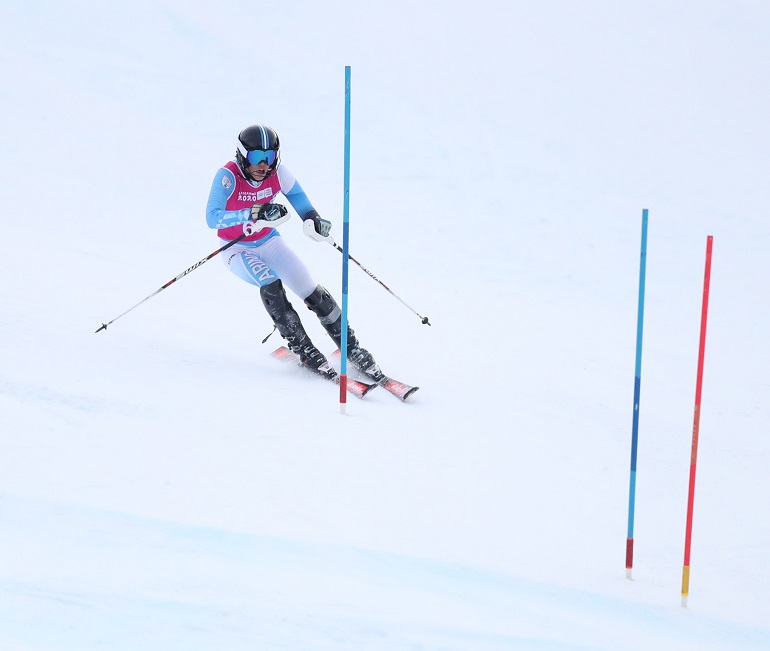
(637, 391)
(345, 249)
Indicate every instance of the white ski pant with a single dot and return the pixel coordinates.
(263, 264)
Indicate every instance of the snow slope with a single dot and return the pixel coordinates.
(166, 485)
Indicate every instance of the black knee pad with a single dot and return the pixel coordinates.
(273, 294)
(324, 306)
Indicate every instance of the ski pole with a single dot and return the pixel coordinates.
(266, 215)
(423, 319)
(173, 280)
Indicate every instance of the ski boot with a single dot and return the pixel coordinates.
(289, 326)
(329, 314)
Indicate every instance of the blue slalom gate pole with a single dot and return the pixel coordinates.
(637, 391)
(345, 249)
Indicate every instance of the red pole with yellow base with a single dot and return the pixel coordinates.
(696, 425)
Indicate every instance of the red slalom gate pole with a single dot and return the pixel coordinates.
(696, 424)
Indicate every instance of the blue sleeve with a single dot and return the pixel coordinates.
(221, 189)
(299, 201)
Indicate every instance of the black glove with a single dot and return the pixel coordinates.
(316, 227)
(268, 212)
(266, 215)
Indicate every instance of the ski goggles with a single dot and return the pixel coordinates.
(257, 156)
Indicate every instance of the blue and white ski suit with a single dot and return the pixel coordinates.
(262, 257)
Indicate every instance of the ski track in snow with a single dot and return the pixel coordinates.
(127, 582)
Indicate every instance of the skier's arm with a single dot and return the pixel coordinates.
(315, 227)
(293, 191)
(221, 189)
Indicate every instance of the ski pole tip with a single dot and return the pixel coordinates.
(425, 320)
(104, 327)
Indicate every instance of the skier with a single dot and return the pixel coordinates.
(240, 194)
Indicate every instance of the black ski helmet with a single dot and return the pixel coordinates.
(257, 138)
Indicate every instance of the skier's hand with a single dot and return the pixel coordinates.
(249, 228)
(269, 212)
(317, 228)
(266, 215)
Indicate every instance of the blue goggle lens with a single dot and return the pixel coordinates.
(257, 156)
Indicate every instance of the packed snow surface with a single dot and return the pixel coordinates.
(165, 484)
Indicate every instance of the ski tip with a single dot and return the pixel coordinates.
(369, 387)
(398, 389)
(282, 352)
(403, 396)
(409, 393)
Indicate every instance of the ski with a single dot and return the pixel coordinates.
(358, 389)
(399, 389)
